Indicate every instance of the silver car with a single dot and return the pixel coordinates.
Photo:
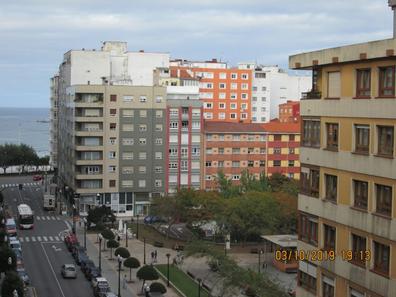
(69, 271)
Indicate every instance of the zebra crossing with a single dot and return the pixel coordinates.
(48, 218)
(42, 238)
(34, 184)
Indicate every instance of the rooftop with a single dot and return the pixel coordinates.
(350, 53)
(274, 127)
(284, 240)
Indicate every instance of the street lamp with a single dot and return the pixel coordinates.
(137, 226)
(100, 253)
(126, 234)
(167, 275)
(259, 260)
(144, 250)
(119, 258)
(199, 287)
(85, 233)
(74, 219)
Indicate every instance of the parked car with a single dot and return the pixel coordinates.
(15, 245)
(79, 254)
(70, 240)
(37, 177)
(99, 281)
(23, 275)
(85, 265)
(19, 259)
(101, 289)
(93, 272)
(10, 227)
(69, 271)
(153, 219)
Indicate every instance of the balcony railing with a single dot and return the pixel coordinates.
(311, 95)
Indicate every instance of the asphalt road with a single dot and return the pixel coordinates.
(43, 249)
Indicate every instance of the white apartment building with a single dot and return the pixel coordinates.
(272, 86)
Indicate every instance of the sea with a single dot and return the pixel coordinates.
(26, 125)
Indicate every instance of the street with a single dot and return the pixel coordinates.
(43, 249)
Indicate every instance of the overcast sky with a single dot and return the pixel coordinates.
(34, 34)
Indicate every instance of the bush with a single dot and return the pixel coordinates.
(131, 263)
(107, 234)
(158, 244)
(157, 288)
(123, 252)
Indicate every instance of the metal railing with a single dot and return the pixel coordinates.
(311, 95)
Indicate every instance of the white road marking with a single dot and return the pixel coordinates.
(33, 238)
(21, 239)
(27, 239)
(68, 225)
(57, 238)
(44, 238)
(50, 238)
(39, 238)
(38, 218)
(43, 218)
(53, 271)
(48, 218)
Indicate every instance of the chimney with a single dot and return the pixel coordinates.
(392, 4)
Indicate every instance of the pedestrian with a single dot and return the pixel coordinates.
(155, 255)
(118, 238)
(124, 282)
(147, 290)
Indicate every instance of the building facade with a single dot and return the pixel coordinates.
(111, 129)
(257, 148)
(347, 205)
(54, 87)
(272, 86)
(184, 122)
(225, 92)
(289, 112)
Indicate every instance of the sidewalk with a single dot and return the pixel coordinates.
(110, 267)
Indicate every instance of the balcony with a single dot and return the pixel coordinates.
(311, 95)
(80, 176)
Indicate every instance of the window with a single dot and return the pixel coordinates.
(173, 125)
(331, 187)
(291, 163)
(208, 177)
(363, 83)
(381, 258)
(159, 99)
(236, 150)
(209, 151)
(277, 137)
(184, 165)
(244, 86)
(142, 141)
(329, 238)
(113, 126)
(127, 98)
(233, 96)
(254, 99)
(112, 140)
(127, 127)
(127, 170)
(158, 155)
(291, 150)
(158, 169)
(173, 152)
(143, 113)
(387, 81)
(142, 169)
(235, 164)
(195, 125)
(208, 164)
(234, 75)
(263, 99)
(222, 105)
(234, 86)
(112, 168)
(306, 281)
(128, 113)
(158, 127)
(222, 116)
(263, 109)
(173, 165)
(173, 112)
(142, 156)
(308, 229)
(311, 133)
(383, 199)
(184, 152)
(358, 250)
(291, 137)
(244, 96)
(158, 114)
(113, 111)
(158, 141)
(143, 98)
(356, 293)
(309, 181)
(360, 194)
(277, 151)
(385, 140)
(142, 128)
(222, 85)
(264, 88)
(195, 151)
(127, 156)
(263, 150)
(112, 183)
(334, 85)
(236, 177)
(250, 163)
(112, 155)
(254, 108)
(223, 75)
(244, 106)
(113, 98)
(233, 106)
(362, 138)
(244, 76)
(158, 183)
(142, 183)
(220, 164)
(332, 136)
(327, 286)
(277, 163)
(254, 89)
(250, 150)
(233, 116)
(236, 137)
(262, 163)
(127, 141)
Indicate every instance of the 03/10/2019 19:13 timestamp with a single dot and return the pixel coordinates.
(322, 255)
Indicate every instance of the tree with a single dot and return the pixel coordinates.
(281, 183)
(7, 254)
(226, 188)
(112, 244)
(288, 212)
(123, 252)
(100, 215)
(131, 263)
(147, 273)
(157, 288)
(12, 282)
(107, 235)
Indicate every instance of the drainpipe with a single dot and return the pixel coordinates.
(392, 4)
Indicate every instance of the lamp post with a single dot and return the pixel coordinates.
(167, 274)
(144, 250)
(100, 253)
(74, 219)
(259, 260)
(137, 226)
(119, 258)
(85, 233)
(199, 287)
(126, 234)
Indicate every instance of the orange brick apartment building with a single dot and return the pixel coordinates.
(225, 92)
(289, 112)
(258, 148)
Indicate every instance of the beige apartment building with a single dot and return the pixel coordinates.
(347, 204)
